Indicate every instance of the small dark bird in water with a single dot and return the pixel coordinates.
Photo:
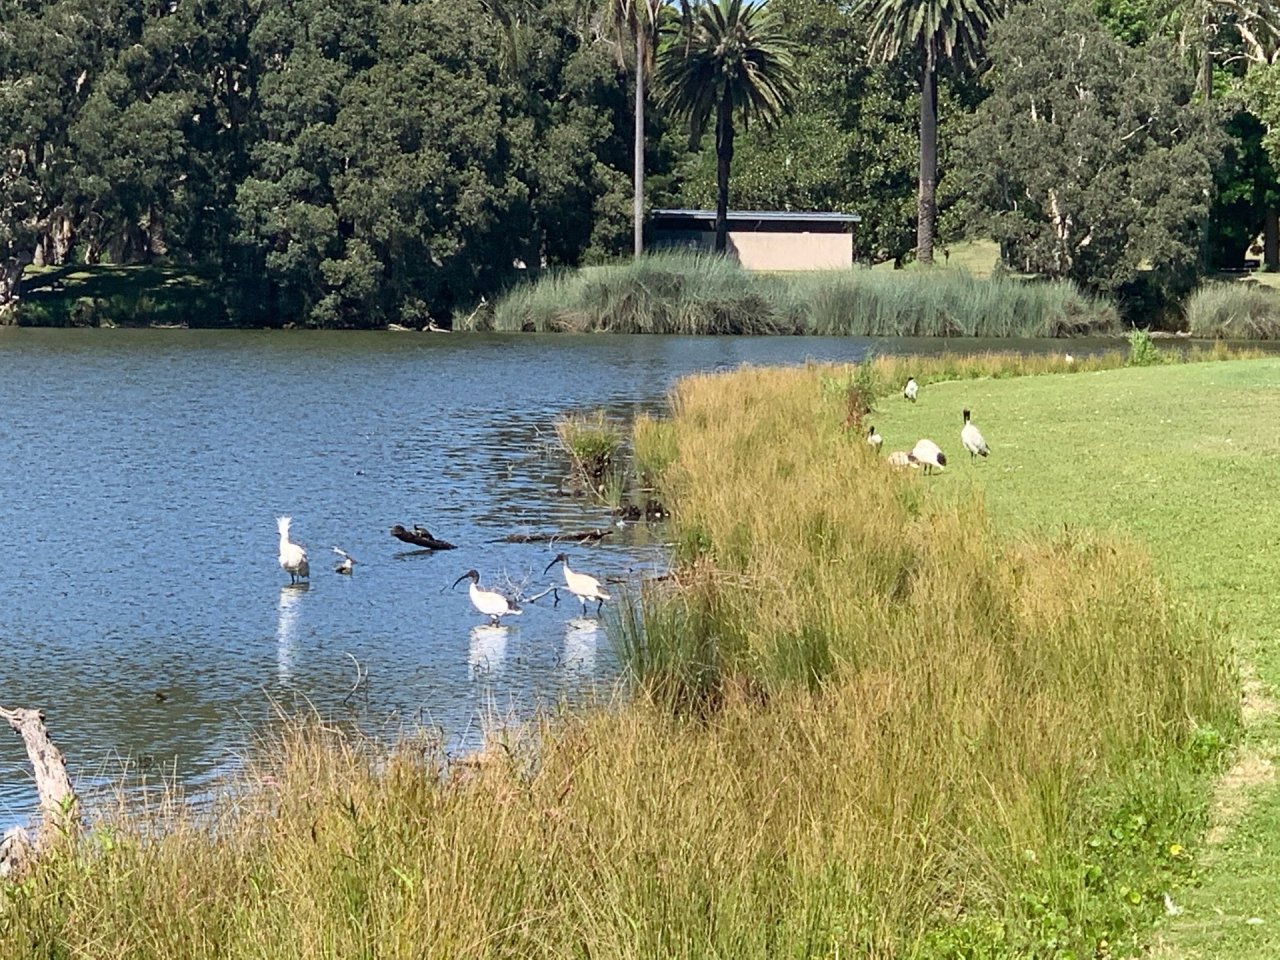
(348, 562)
(161, 696)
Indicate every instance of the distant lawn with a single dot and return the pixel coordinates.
(979, 257)
(78, 295)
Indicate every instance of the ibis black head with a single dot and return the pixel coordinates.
(942, 459)
(966, 415)
(871, 431)
(558, 558)
(469, 575)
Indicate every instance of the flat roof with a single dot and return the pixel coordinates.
(763, 216)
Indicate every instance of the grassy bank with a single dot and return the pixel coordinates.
(699, 294)
(113, 295)
(896, 732)
(1176, 457)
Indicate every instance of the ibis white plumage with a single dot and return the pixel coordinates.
(492, 604)
(911, 390)
(874, 438)
(348, 561)
(928, 455)
(581, 585)
(293, 558)
(972, 439)
(900, 458)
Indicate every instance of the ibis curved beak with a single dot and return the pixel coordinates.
(465, 576)
(551, 564)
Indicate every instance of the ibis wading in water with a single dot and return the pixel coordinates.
(911, 390)
(348, 561)
(972, 439)
(580, 585)
(928, 455)
(293, 558)
(489, 602)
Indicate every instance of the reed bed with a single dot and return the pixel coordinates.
(1234, 311)
(861, 723)
(689, 293)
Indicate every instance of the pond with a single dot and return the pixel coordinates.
(142, 606)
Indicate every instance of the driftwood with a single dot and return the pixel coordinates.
(59, 807)
(420, 537)
(577, 536)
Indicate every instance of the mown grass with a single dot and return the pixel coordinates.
(79, 295)
(1179, 458)
(1234, 311)
(685, 293)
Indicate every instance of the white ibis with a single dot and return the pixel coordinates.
(900, 458)
(293, 558)
(928, 455)
(972, 439)
(347, 564)
(580, 585)
(489, 602)
(911, 390)
(874, 438)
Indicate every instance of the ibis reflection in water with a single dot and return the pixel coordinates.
(581, 639)
(287, 630)
(581, 585)
(488, 649)
(492, 604)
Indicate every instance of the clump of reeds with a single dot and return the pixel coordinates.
(592, 442)
(1234, 311)
(697, 293)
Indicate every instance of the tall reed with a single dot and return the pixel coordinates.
(688, 293)
(1234, 311)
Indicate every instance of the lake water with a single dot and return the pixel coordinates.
(142, 470)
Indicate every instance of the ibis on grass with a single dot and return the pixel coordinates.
(972, 439)
(928, 455)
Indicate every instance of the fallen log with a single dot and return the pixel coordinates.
(59, 806)
(577, 536)
(420, 537)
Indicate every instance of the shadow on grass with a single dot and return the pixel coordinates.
(135, 295)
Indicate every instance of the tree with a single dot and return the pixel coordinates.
(731, 60)
(1104, 166)
(937, 30)
(637, 20)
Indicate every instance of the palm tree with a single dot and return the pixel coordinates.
(938, 29)
(636, 21)
(731, 60)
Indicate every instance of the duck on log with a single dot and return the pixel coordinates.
(420, 537)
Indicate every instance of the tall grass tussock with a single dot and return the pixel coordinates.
(861, 722)
(1234, 311)
(689, 293)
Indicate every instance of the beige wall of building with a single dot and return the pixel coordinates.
(763, 250)
(758, 250)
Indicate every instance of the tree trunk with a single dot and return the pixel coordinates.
(11, 284)
(926, 206)
(724, 157)
(638, 212)
(59, 808)
(1271, 240)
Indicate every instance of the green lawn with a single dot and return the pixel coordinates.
(129, 295)
(1186, 459)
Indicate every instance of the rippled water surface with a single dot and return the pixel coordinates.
(142, 607)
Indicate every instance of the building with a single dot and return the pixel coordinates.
(763, 239)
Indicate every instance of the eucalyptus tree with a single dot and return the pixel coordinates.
(936, 31)
(1105, 163)
(730, 60)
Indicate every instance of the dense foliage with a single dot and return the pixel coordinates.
(362, 162)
